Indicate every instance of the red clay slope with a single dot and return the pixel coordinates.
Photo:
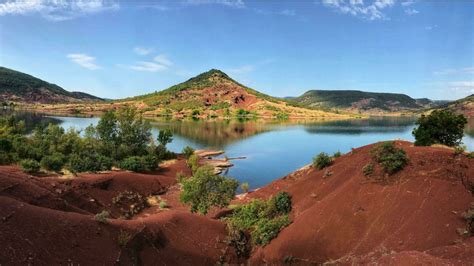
(349, 218)
(49, 221)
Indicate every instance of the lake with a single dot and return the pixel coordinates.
(275, 149)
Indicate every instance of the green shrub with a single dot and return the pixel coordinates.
(205, 189)
(193, 162)
(282, 202)
(162, 153)
(187, 152)
(391, 158)
(337, 154)
(135, 164)
(458, 150)
(440, 127)
(79, 163)
(140, 163)
(102, 217)
(368, 169)
(30, 166)
(196, 113)
(322, 160)
(150, 162)
(267, 229)
(54, 162)
(245, 187)
(264, 219)
(180, 176)
(163, 204)
(470, 155)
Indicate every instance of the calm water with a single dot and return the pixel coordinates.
(273, 150)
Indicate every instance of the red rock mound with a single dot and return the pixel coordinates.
(339, 214)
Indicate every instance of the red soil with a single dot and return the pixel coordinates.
(49, 221)
(339, 215)
(347, 217)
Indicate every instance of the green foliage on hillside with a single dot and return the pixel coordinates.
(21, 84)
(263, 219)
(205, 189)
(440, 127)
(207, 79)
(346, 99)
(391, 158)
(122, 138)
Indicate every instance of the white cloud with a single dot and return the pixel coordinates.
(229, 3)
(242, 69)
(465, 70)
(372, 10)
(146, 66)
(284, 12)
(411, 11)
(163, 60)
(143, 50)
(359, 8)
(84, 61)
(159, 63)
(57, 10)
(408, 3)
(461, 86)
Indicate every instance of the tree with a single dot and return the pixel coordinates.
(133, 132)
(440, 127)
(165, 137)
(205, 189)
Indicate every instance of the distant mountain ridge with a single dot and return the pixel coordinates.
(463, 106)
(362, 101)
(20, 87)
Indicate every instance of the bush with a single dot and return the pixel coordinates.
(440, 127)
(163, 204)
(337, 154)
(205, 189)
(264, 219)
(135, 164)
(150, 162)
(458, 150)
(245, 187)
(180, 176)
(470, 155)
(89, 163)
(391, 158)
(102, 217)
(282, 202)
(193, 162)
(267, 229)
(322, 160)
(30, 166)
(368, 169)
(162, 153)
(54, 162)
(188, 151)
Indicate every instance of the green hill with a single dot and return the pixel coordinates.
(214, 93)
(360, 100)
(20, 87)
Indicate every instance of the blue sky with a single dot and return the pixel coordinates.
(116, 49)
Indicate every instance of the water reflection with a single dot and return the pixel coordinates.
(276, 148)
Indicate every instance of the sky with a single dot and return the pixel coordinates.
(117, 49)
